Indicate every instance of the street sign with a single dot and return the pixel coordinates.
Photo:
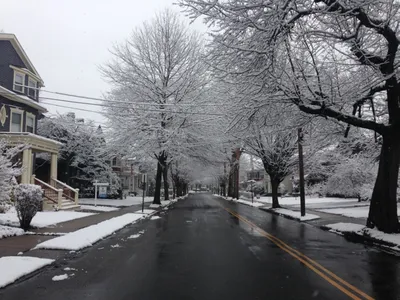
(101, 183)
(102, 191)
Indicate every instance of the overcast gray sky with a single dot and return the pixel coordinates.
(68, 39)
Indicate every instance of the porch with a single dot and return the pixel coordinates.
(57, 195)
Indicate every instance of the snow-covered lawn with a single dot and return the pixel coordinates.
(293, 214)
(6, 231)
(129, 201)
(42, 219)
(88, 236)
(99, 208)
(296, 200)
(352, 212)
(14, 267)
(361, 230)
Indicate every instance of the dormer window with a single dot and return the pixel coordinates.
(19, 81)
(32, 84)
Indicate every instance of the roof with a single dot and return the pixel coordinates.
(21, 99)
(22, 54)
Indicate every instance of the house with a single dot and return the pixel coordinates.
(20, 110)
(130, 176)
(259, 175)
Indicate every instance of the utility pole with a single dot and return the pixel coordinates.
(301, 173)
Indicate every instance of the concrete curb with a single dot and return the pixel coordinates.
(365, 239)
(267, 209)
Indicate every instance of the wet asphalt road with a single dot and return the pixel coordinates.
(198, 250)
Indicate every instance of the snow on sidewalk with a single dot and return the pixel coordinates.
(392, 239)
(89, 235)
(353, 212)
(292, 214)
(6, 231)
(129, 201)
(42, 218)
(14, 267)
(245, 202)
(98, 208)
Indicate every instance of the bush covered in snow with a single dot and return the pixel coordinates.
(348, 179)
(28, 200)
(317, 190)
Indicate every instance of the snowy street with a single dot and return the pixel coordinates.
(209, 248)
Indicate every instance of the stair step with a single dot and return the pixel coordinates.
(70, 207)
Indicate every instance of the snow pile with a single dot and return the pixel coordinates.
(309, 200)
(154, 205)
(6, 231)
(361, 230)
(88, 236)
(352, 212)
(134, 236)
(14, 267)
(98, 208)
(115, 246)
(166, 203)
(60, 277)
(155, 218)
(293, 214)
(42, 219)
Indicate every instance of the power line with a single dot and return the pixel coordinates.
(124, 102)
(125, 107)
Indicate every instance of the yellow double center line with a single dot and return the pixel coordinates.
(333, 279)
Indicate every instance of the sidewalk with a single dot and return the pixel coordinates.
(16, 244)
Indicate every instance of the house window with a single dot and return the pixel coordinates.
(32, 88)
(114, 161)
(19, 81)
(30, 123)
(16, 120)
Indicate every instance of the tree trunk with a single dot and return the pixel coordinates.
(383, 207)
(165, 176)
(157, 192)
(274, 185)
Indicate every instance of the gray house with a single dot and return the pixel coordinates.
(19, 112)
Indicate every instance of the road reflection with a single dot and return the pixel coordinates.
(384, 275)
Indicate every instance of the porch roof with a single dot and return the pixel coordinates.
(36, 142)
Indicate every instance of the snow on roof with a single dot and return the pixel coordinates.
(22, 99)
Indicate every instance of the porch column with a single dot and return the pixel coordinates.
(26, 166)
(53, 165)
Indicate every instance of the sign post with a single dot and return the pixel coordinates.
(96, 184)
(144, 189)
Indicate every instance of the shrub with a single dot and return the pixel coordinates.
(315, 190)
(28, 200)
(347, 182)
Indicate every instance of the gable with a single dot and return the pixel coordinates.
(24, 61)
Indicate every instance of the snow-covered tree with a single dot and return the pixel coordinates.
(330, 58)
(83, 154)
(9, 169)
(158, 80)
